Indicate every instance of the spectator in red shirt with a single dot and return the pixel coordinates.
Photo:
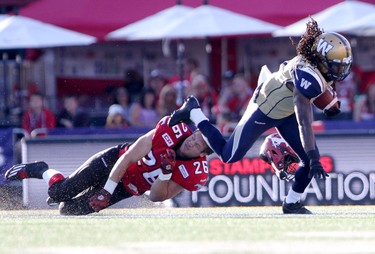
(37, 116)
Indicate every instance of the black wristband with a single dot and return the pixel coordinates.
(312, 155)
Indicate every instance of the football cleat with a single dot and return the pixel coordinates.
(28, 170)
(295, 208)
(183, 113)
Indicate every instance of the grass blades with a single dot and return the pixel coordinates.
(332, 229)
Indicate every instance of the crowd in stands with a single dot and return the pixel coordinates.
(139, 103)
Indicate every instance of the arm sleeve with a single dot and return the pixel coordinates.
(308, 82)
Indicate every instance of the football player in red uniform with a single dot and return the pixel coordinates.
(165, 161)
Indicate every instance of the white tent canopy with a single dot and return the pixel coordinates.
(3, 16)
(362, 27)
(154, 22)
(335, 18)
(206, 21)
(22, 32)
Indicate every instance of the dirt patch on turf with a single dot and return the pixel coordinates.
(11, 197)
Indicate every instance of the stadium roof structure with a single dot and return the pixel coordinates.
(100, 17)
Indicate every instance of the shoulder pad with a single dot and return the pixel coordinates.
(308, 82)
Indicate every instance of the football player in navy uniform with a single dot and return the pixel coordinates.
(165, 161)
(283, 100)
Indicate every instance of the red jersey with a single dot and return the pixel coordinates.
(191, 174)
(30, 121)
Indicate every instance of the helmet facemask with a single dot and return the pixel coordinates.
(287, 166)
(276, 152)
(335, 70)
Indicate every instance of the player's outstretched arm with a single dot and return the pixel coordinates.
(135, 152)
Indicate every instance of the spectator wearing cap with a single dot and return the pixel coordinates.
(121, 97)
(116, 118)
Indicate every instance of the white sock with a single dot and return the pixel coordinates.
(292, 197)
(47, 175)
(197, 116)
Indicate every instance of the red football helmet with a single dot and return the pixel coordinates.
(276, 151)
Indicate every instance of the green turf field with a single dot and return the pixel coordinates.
(333, 229)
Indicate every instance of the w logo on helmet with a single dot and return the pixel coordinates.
(323, 47)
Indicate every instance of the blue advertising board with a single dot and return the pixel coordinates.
(6, 151)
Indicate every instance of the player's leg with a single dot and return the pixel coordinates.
(290, 132)
(38, 170)
(80, 204)
(26, 170)
(94, 172)
(252, 124)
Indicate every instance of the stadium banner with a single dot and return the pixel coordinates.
(349, 160)
(348, 157)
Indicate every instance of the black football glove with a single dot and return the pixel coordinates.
(168, 161)
(100, 200)
(332, 112)
(316, 168)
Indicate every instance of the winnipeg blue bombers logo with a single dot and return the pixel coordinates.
(323, 47)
